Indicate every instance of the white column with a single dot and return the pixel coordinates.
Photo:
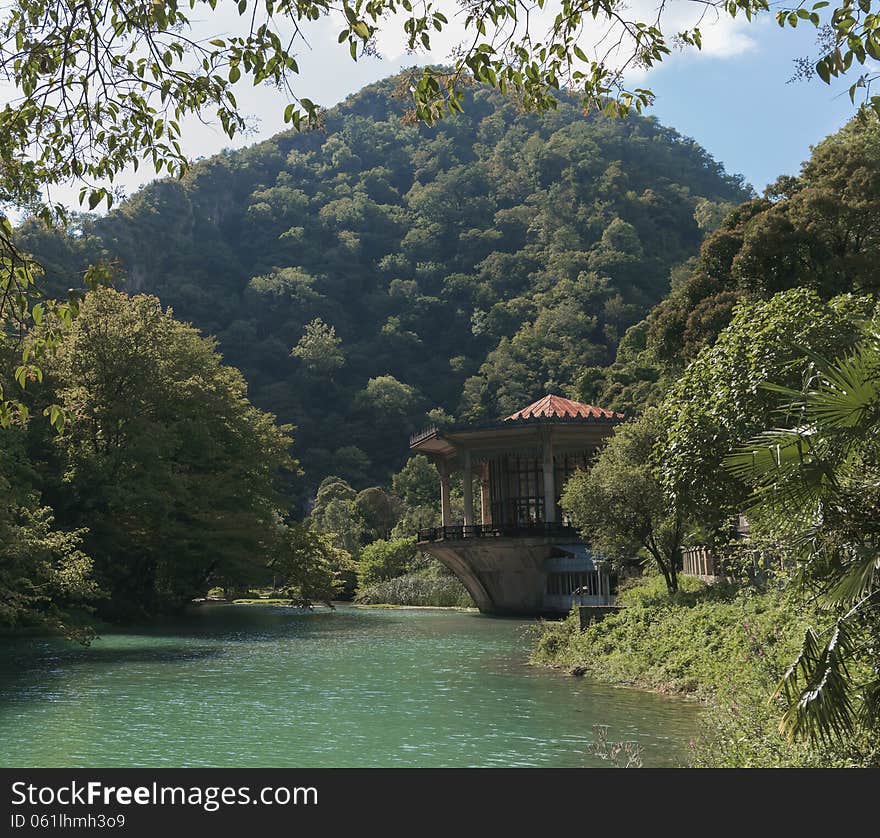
(445, 507)
(549, 478)
(467, 485)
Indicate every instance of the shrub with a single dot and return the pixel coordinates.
(413, 589)
(383, 560)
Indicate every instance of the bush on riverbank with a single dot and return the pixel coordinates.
(727, 645)
(416, 589)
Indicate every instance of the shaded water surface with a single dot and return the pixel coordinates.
(262, 686)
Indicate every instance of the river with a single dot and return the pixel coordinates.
(265, 686)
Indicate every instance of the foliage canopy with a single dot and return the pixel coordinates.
(620, 506)
(434, 261)
(816, 490)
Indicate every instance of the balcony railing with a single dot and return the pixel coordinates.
(458, 532)
(422, 434)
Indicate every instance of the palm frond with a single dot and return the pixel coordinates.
(768, 453)
(812, 486)
(851, 388)
(794, 404)
(818, 688)
(860, 578)
(787, 471)
(869, 712)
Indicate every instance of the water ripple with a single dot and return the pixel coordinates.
(253, 686)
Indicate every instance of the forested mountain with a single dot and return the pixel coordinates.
(377, 273)
(819, 230)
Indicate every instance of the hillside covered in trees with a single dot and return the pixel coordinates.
(818, 231)
(376, 274)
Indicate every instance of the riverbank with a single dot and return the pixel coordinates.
(725, 645)
(287, 603)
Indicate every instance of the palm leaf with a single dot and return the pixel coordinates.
(860, 578)
(869, 712)
(768, 453)
(811, 485)
(787, 474)
(818, 689)
(850, 390)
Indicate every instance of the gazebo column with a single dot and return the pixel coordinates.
(485, 501)
(549, 477)
(467, 485)
(445, 506)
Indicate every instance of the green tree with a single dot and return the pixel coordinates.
(418, 482)
(620, 506)
(319, 348)
(103, 86)
(335, 514)
(719, 402)
(46, 579)
(351, 463)
(383, 560)
(242, 247)
(310, 565)
(173, 471)
(379, 510)
(417, 518)
(709, 214)
(418, 486)
(389, 399)
(152, 74)
(817, 230)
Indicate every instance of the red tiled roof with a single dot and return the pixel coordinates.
(556, 407)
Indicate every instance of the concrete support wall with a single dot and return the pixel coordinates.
(503, 575)
(468, 575)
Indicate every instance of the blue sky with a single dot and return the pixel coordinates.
(743, 111)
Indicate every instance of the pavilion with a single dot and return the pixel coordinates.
(522, 557)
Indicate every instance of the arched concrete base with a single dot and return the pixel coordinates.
(504, 576)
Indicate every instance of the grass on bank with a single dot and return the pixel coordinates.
(425, 587)
(727, 645)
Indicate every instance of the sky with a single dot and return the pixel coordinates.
(743, 109)
(733, 97)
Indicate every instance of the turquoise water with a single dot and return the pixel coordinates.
(262, 686)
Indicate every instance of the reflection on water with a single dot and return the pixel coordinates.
(263, 686)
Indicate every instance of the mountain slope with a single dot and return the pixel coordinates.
(462, 269)
(819, 230)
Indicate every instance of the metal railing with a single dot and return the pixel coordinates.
(423, 434)
(460, 531)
